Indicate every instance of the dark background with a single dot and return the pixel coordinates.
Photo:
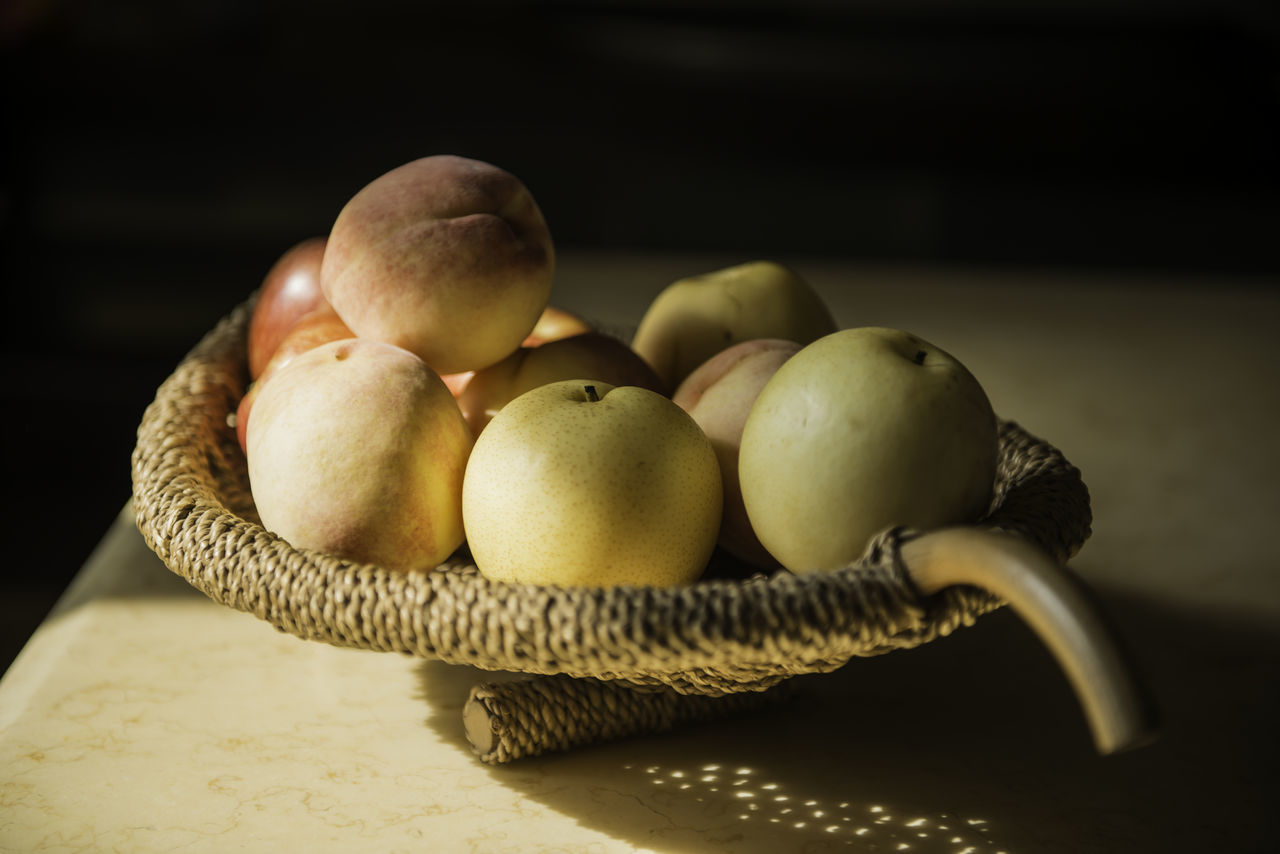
(159, 156)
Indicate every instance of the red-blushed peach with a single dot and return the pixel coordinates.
(589, 354)
(290, 289)
(316, 327)
(718, 395)
(447, 257)
(357, 449)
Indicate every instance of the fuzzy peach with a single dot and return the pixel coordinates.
(447, 257)
(718, 395)
(555, 323)
(316, 327)
(357, 449)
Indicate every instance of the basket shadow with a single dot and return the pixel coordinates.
(973, 740)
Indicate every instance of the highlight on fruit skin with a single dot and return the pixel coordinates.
(289, 291)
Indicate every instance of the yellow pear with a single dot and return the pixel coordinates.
(581, 484)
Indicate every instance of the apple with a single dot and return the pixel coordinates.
(863, 430)
(587, 354)
(555, 323)
(718, 395)
(318, 326)
(357, 449)
(694, 318)
(582, 484)
(447, 257)
(290, 289)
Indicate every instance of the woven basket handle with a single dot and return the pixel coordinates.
(510, 720)
(1058, 608)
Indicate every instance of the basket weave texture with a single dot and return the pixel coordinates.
(721, 635)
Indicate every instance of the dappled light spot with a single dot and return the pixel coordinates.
(867, 826)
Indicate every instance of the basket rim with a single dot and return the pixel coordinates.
(192, 506)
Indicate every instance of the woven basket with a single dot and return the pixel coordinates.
(622, 659)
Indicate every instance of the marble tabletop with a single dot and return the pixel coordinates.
(143, 717)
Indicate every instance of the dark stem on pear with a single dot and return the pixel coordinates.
(919, 360)
(591, 393)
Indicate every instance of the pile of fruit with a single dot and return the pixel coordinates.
(413, 389)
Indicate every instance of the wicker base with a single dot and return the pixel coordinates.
(516, 720)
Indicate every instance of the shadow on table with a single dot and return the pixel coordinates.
(975, 738)
(972, 743)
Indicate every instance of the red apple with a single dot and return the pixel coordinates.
(290, 290)
(589, 355)
(316, 327)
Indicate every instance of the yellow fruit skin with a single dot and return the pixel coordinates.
(694, 318)
(356, 448)
(561, 489)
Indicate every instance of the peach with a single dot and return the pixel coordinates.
(718, 395)
(457, 382)
(319, 326)
(554, 324)
(290, 289)
(447, 257)
(589, 355)
(357, 449)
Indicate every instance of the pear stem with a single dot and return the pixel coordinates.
(591, 393)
